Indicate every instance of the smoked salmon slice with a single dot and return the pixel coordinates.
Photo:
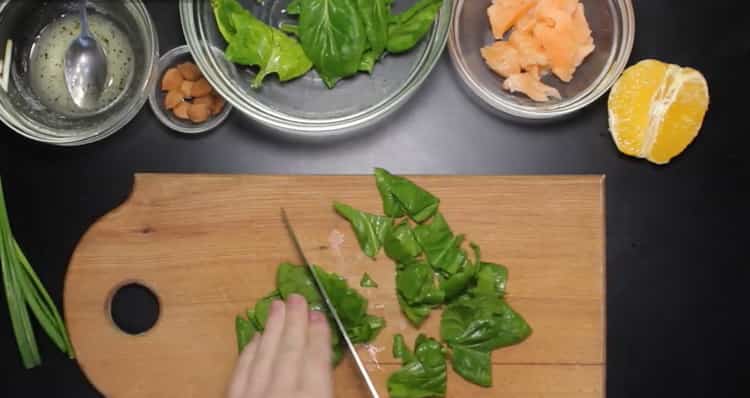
(545, 36)
(503, 14)
(502, 58)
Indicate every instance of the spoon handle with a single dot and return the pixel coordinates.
(84, 18)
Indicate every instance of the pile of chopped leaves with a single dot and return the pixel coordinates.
(433, 270)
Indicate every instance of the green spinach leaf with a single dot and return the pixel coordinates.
(408, 28)
(223, 11)
(351, 308)
(401, 350)
(474, 366)
(292, 278)
(456, 284)
(491, 280)
(245, 331)
(401, 196)
(333, 37)
(416, 291)
(482, 323)
(423, 375)
(256, 43)
(442, 248)
(375, 15)
(400, 244)
(367, 281)
(369, 228)
(368, 61)
(294, 7)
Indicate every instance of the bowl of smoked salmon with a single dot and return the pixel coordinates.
(540, 59)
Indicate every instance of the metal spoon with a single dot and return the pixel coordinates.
(85, 66)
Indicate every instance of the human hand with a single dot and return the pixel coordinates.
(290, 359)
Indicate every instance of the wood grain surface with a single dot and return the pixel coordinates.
(208, 246)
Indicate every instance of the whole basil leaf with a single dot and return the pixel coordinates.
(474, 366)
(367, 281)
(482, 323)
(369, 228)
(333, 37)
(491, 280)
(375, 15)
(441, 247)
(401, 196)
(422, 377)
(400, 244)
(256, 43)
(408, 28)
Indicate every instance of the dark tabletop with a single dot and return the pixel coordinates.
(677, 240)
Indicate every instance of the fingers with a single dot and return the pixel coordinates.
(242, 369)
(289, 360)
(316, 373)
(260, 371)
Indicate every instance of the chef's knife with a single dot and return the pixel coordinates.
(331, 308)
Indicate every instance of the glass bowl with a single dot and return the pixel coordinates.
(612, 24)
(26, 112)
(172, 58)
(305, 107)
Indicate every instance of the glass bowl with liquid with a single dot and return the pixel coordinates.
(36, 102)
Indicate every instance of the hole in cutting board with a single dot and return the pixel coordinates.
(134, 308)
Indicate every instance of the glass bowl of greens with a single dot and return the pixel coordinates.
(316, 67)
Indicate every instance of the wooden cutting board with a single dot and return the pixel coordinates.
(208, 246)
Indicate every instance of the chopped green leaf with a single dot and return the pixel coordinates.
(474, 366)
(292, 278)
(491, 280)
(401, 196)
(401, 350)
(245, 330)
(482, 323)
(400, 244)
(442, 248)
(369, 228)
(367, 281)
(417, 293)
(423, 375)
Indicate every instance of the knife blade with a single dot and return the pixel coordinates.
(329, 305)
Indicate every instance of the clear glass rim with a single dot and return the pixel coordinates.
(195, 34)
(38, 132)
(624, 30)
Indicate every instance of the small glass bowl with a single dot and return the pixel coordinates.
(304, 107)
(22, 111)
(172, 58)
(613, 29)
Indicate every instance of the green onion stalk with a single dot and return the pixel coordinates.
(24, 291)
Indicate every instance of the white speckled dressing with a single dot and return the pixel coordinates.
(46, 63)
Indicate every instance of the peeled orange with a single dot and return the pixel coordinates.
(657, 109)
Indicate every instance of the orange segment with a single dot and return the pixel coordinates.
(503, 14)
(656, 110)
(502, 58)
(560, 49)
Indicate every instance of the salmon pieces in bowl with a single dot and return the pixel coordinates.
(536, 39)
